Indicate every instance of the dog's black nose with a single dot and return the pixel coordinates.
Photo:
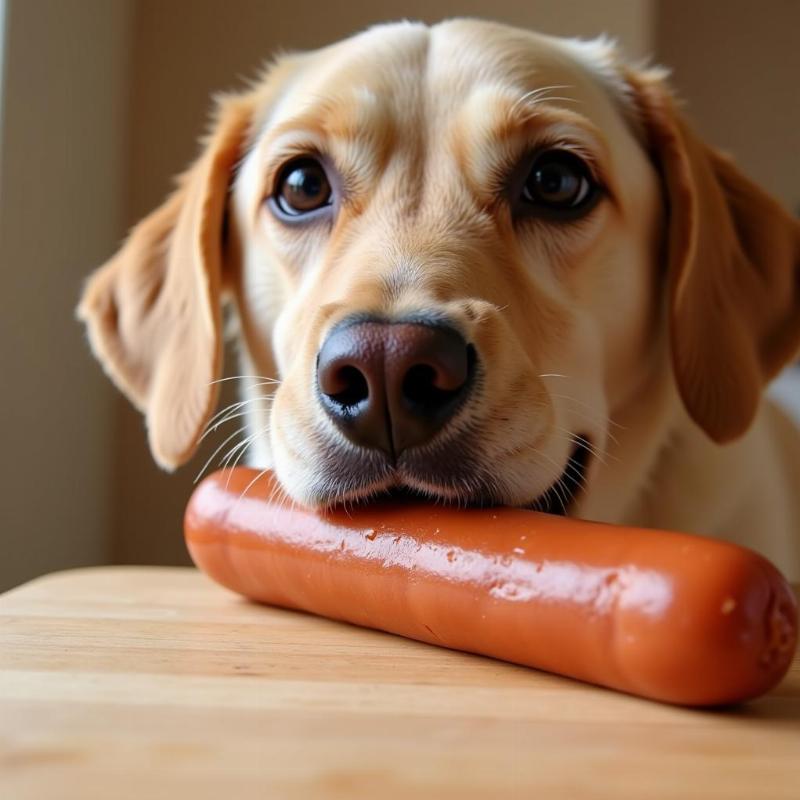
(393, 386)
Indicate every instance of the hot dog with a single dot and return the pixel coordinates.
(669, 616)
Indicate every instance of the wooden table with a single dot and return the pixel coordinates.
(147, 683)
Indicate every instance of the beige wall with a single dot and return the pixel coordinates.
(737, 64)
(62, 188)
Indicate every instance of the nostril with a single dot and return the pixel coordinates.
(430, 387)
(347, 386)
(419, 386)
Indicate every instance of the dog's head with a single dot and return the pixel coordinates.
(461, 250)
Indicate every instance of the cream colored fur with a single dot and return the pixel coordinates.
(651, 326)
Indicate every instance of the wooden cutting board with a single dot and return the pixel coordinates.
(144, 683)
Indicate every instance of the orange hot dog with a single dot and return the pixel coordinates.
(669, 616)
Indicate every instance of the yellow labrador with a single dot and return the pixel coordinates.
(480, 264)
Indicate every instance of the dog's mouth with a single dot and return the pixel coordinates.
(560, 498)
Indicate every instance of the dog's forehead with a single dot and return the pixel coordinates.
(410, 67)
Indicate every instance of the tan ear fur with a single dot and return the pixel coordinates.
(734, 271)
(153, 312)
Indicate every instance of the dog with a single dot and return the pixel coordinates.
(477, 264)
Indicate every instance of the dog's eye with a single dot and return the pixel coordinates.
(302, 187)
(559, 183)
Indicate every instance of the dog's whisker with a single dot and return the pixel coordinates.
(601, 455)
(578, 439)
(577, 478)
(212, 423)
(581, 403)
(573, 473)
(235, 413)
(242, 447)
(562, 494)
(593, 416)
(216, 452)
(263, 378)
(215, 422)
(595, 421)
(279, 495)
(544, 455)
(237, 448)
(251, 484)
(229, 418)
(549, 459)
(575, 439)
(232, 407)
(555, 486)
(569, 469)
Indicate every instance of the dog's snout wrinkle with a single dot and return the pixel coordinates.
(393, 386)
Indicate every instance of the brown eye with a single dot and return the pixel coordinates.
(560, 185)
(303, 187)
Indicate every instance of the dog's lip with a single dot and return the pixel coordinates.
(559, 498)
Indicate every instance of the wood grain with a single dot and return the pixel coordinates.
(153, 682)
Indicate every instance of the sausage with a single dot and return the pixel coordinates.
(668, 616)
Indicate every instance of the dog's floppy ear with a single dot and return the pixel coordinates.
(153, 312)
(734, 271)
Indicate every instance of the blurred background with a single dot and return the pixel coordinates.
(101, 102)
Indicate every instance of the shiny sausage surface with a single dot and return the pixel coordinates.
(669, 616)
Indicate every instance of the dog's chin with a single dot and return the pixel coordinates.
(418, 480)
